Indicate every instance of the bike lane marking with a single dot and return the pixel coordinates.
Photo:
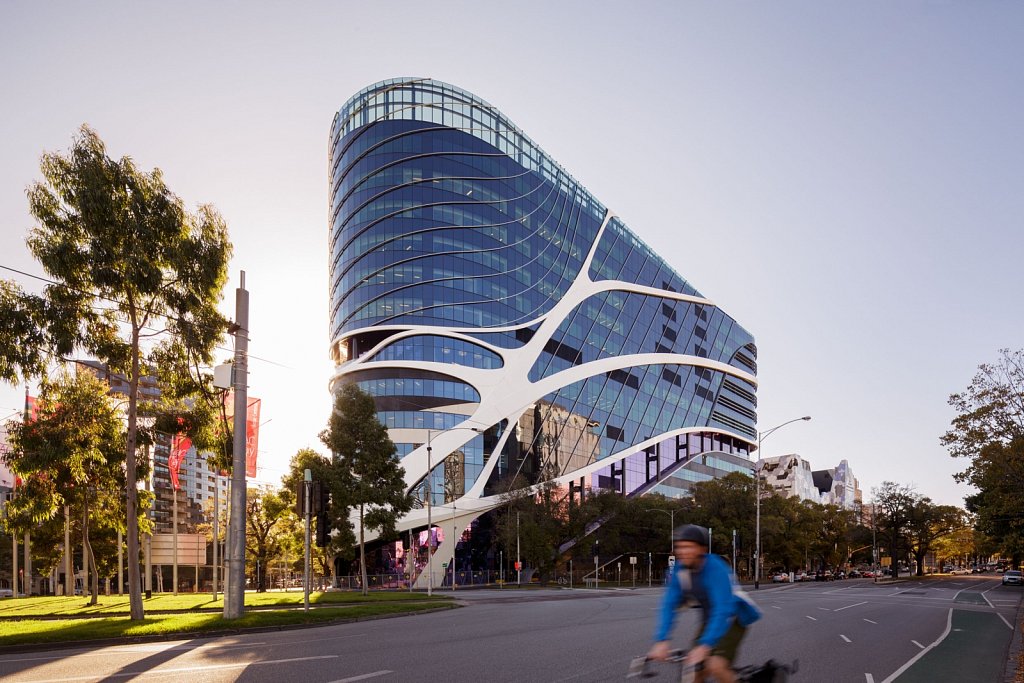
(840, 609)
(949, 626)
(845, 638)
(971, 649)
(363, 677)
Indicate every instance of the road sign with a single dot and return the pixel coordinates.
(444, 565)
(632, 559)
(519, 565)
(671, 560)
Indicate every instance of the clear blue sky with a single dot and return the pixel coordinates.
(842, 178)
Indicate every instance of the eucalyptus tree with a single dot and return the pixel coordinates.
(127, 262)
(367, 466)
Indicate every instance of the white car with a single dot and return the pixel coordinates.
(1012, 577)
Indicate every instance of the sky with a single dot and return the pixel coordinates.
(844, 179)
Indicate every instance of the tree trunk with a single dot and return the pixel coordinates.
(362, 551)
(919, 556)
(131, 492)
(90, 559)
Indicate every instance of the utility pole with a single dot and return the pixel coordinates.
(120, 563)
(69, 580)
(234, 596)
(430, 526)
(519, 564)
(307, 504)
(734, 552)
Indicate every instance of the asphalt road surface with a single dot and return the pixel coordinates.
(951, 629)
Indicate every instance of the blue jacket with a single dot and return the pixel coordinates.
(716, 591)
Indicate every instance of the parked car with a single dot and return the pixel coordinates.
(1012, 577)
(854, 574)
(780, 577)
(960, 572)
(802, 576)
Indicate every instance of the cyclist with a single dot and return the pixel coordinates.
(707, 581)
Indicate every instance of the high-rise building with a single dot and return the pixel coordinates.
(509, 326)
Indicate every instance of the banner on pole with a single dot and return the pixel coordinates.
(252, 428)
(179, 449)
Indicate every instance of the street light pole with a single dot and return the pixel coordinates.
(761, 436)
(430, 541)
(671, 529)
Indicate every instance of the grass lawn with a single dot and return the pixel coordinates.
(65, 630)
(25, 608)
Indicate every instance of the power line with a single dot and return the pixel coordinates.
(124, 320)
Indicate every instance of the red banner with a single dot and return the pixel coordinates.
(31, 408)
(252, 428)
(179, 449)
(252, 435)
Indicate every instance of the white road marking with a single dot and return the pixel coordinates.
(776, 607)
(982, 595)
(918, 644)
(128, 651)
(845, 638)
(363, 677)
(826, 609)
(896, 674)
(810, 617)
(1008, 625)
(958, 593)
(840, 609)
(839, 590)
(183, 669)
(871, 622)
(868, 678)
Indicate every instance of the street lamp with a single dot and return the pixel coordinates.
(761, 436)
(428, 496)
(672, 517)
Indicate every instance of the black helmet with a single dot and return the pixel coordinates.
(691, 532)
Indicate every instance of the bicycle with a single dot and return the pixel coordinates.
(769, 672)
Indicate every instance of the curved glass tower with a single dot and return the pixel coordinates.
(511, 328)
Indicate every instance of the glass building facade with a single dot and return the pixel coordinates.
(510, 327)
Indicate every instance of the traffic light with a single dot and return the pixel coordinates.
(325, 499)
(323, 530)
(300, 500)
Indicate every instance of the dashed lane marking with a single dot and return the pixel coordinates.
(845, 638)
(868, 678)
(918, 644)
(871, 622)
(826, 609)
(810, 617)
(776, 607)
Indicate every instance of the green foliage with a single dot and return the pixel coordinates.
(129, 262)
(23, 339)
(988, 430)
(538, 520)
(263, 511)
(328, 471)
(367, 465)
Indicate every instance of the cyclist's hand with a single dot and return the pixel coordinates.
(697, 655)
(659, 651)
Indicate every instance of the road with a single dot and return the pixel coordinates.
(955, 628)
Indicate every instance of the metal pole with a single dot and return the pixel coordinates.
(120, 563)
(430, 526)
(147, 551)
(174, 572)
(757, 523)
(570, 573)
(650, 570)
(14, 565)
(216, 527)
(734, 551)
(234, 597)
(455, 543)
(519, 564)
(307, 505)
(410, 560)
(26, 585)
(501, 568)
(69, 579)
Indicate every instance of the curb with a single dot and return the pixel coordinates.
(199, 635)
(1013, 657)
